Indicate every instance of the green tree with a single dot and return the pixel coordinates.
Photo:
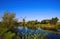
(54, 20)
(31, 24)
(45, 21)
(8, 22)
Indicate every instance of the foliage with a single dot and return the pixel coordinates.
(54, 20)
(8, 21)
(58, 25)
(8, 35)
(50, 21)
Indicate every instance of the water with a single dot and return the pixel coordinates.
(39, 31)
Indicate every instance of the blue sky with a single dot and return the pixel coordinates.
(32, 9)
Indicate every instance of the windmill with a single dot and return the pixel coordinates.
(23, 21)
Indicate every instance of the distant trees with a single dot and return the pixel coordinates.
(31, 24)
(35, 23)
(51, 24)
(52, 21)
(45, 21)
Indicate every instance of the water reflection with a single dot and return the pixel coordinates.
(38, 32)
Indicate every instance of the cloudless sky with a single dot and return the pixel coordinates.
(32, 9)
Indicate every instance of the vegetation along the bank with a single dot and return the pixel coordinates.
(9, 21)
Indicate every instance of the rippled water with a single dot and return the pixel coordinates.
(38, 31)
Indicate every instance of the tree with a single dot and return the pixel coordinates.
(8, 22)
(31, 24)
(45, 21)
(54, 20)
